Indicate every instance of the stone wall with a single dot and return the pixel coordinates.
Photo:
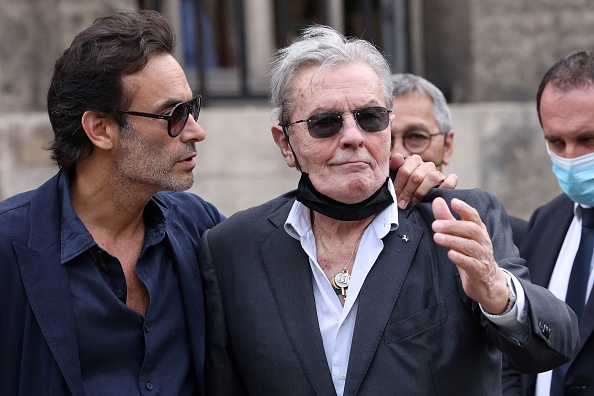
(498, 147)
(498, 50)
(476, 50)
(33, 35)
(515, 42)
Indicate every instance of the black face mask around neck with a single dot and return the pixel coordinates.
(318, 202)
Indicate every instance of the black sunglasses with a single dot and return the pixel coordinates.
(325, 125)
(177, 117)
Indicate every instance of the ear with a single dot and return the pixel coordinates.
(283, 143)
(448, 147)
(99, 129)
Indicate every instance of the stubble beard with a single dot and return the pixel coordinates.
(144, 162)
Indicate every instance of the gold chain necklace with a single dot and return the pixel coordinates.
(340, 280)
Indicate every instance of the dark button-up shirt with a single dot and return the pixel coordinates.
(121, 352)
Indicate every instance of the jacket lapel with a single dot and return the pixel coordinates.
(186, 264)
(378, 297)
(290, 278)
(46, 283)
(546, 247)
(587, 322)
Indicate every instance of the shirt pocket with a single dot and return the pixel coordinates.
(416, 324)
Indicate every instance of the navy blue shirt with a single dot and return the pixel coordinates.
(121, 352)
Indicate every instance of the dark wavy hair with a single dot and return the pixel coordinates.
(573, 71)
(88, 76)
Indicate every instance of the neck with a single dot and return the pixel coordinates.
(337, 228)
(337, 243)
(103, 205)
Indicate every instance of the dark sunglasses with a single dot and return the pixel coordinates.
(177, 117)
(325, 125)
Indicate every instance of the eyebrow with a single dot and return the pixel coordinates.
(168, 103)
(413, 127)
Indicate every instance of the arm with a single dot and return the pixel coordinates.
(551, 333)
(414, 178)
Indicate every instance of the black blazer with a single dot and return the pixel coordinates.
(416, 331)
(519, 227)
(541, 247)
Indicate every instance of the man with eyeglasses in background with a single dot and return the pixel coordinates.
(422, 122)
(423, 125)
(99, 285)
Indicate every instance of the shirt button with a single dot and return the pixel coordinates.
(342, 375)
(119, 293)
(146, 328)
(149, 385)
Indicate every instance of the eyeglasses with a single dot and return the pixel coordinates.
(177, 117)
(416, 141)
(325, 125)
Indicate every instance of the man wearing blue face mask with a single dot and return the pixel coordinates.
(558, 244)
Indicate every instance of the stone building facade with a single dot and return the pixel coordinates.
(498, 50)
(487, 55)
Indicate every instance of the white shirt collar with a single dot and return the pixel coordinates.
(299, 220)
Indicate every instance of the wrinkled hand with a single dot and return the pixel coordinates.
(471, 251)
(415, 178)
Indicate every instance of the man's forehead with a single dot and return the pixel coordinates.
(332, 89)
(413, 99)
(414, 107)
(162, 80)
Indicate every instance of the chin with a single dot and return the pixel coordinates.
(179, 184)
(355, 193)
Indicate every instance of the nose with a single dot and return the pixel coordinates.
(352, 135)
(192, 132)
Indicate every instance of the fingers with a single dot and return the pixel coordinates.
(466, 211)
(414, 180)
(468, 235)
(450, 182)
(396, 161)
(471, 250)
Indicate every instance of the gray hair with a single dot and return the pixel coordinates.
(327, 48)
(406, 83)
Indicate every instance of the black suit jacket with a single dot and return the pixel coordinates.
(416, 331)
(519, 228)
(540, 248)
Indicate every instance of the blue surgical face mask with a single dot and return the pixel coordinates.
(575, 176)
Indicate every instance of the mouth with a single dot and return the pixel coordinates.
(353, 163)
(188, 158)
(187, 162)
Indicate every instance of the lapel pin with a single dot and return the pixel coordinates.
(405, 238)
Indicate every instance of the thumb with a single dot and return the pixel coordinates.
(396, 161)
